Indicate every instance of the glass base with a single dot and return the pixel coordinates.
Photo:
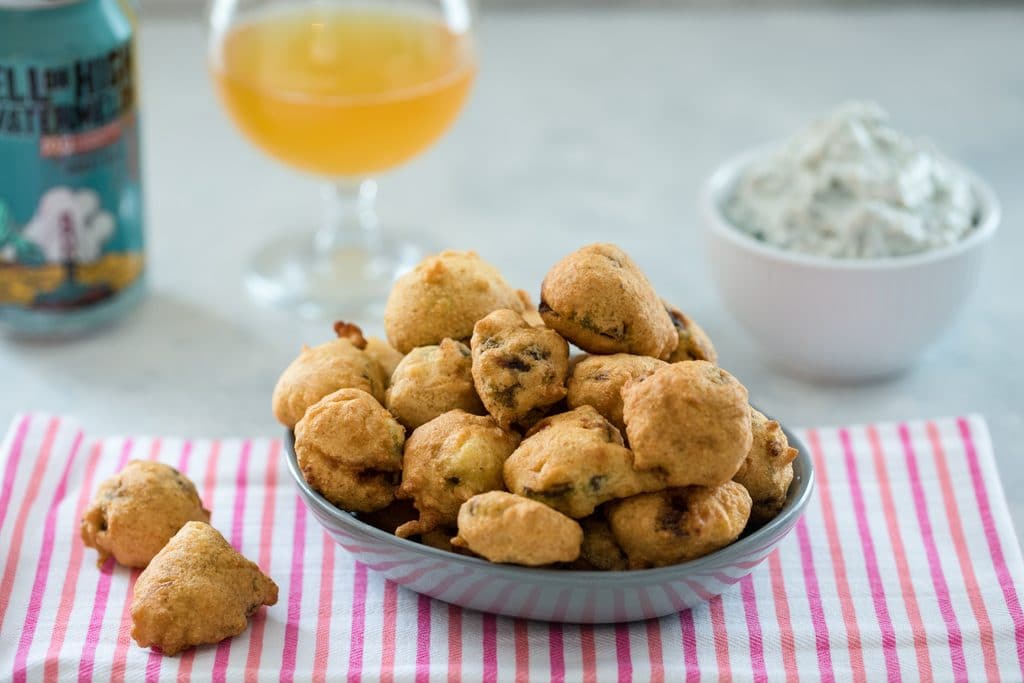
(346, 281)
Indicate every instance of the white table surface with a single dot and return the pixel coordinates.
(584, 126)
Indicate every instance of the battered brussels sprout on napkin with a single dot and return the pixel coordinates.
(138, 510)
(197, 590)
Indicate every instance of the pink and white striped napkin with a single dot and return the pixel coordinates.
(904, 567)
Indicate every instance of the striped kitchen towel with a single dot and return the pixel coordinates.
(905, 567)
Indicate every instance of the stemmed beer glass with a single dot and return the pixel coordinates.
(345, 91)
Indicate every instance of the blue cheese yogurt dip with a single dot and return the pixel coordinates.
(851, 186)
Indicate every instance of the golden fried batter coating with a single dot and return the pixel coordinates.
(694, 343)
(197, 590)
(518, 370)
(504, 527)
(448, 460)
(432, 380)
(597, 381)
(690, 419)
(598, 299)
(387, 357)
(138, 510)
(530, 313)
(349, 448)
(575, 461)
(318, 371)
(443, 297)
(768, 469)
(675, 525)
(600, 550)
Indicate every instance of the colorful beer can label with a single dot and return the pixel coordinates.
(70, 195)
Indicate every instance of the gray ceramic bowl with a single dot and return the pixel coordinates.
(588, 597)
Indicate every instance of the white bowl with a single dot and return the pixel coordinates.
(841, 319)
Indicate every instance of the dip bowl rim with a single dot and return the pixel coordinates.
(719, 186)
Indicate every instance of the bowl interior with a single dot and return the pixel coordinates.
(756, 543)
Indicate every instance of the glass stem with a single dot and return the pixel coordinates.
(349, 216)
